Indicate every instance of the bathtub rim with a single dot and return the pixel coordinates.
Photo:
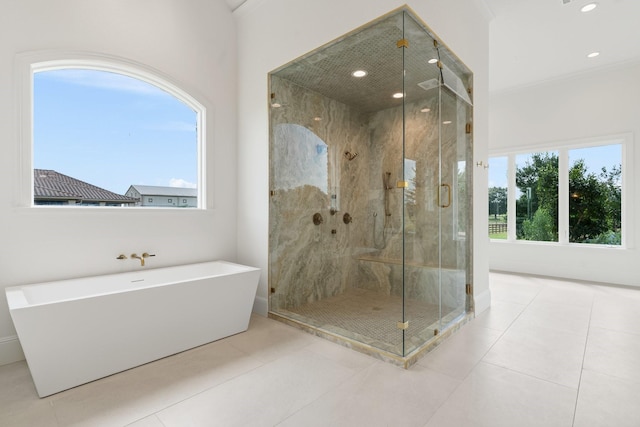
(17, 298)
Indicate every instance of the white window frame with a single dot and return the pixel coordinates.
(562, 148)
(27, 64)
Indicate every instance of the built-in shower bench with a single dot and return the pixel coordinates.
(395, 261)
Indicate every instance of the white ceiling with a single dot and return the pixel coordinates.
(537, 40)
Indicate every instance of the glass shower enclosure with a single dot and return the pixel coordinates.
(370, 225)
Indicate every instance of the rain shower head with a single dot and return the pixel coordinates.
(429, 84)
(451, 81)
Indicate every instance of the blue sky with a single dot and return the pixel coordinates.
(112, 131)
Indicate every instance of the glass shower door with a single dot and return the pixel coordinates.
(437, 154)
(455, 185)
(421, 241)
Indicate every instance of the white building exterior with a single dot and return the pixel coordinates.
(163, 197)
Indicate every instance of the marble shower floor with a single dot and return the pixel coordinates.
(371, 318)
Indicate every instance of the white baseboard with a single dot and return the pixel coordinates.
(482, 301)
(10, 350)
(261, 306)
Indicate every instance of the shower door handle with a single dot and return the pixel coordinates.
(448, 187)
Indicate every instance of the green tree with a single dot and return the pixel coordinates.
(538, 184)
(594, 201)
(587, 204)
(612, 180)
(541, 228)
(497, 201)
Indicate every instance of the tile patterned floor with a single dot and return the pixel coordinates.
(548, 353)
(371, 317)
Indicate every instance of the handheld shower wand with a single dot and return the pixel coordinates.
(349, 155)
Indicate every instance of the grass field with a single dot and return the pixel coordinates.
(498, 236)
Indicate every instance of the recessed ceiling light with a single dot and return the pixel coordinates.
(317, 119)
(593, 54)
(398, 95)
(359, 73)
(446, 122)
(588, 7)
(425, 110)
(433, 60)
(276, 105)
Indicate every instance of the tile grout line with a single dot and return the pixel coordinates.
(584, 353)
(533, 376)
(55, 413)
(450, 394)
(502, 333)
(262, 365)
(333, 389)
(156, 413)
(483, 356)
(530, 376)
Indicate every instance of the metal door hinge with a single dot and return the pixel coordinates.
(402, 325)
(468, 128)
(402, 43)
(468, 289)
(272, 193)
(273, 290)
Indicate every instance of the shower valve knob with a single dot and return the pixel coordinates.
(317, 218)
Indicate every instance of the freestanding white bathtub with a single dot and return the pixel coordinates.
(76, 331)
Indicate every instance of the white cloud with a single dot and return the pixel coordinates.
(179, 182)
(103, 80)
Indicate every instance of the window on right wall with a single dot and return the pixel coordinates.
(572, 194)
(595, 195)
(537, 196)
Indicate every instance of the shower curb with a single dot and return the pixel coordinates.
(404, 362)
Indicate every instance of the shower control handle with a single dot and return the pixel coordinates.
(346, 218)
(317, 218)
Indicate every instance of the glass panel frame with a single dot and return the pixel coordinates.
(373, 237)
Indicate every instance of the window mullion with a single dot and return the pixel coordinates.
(563, 196)
(511, 198)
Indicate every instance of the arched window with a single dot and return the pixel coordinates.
(110, 134)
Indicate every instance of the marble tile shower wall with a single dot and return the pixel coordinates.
(310, 134)
(310, 174)
(430, 231)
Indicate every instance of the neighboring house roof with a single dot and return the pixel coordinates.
(49, 184)
(154, 190)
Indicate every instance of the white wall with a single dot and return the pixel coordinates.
(193, 43)
(274, 32)
(596, 104)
